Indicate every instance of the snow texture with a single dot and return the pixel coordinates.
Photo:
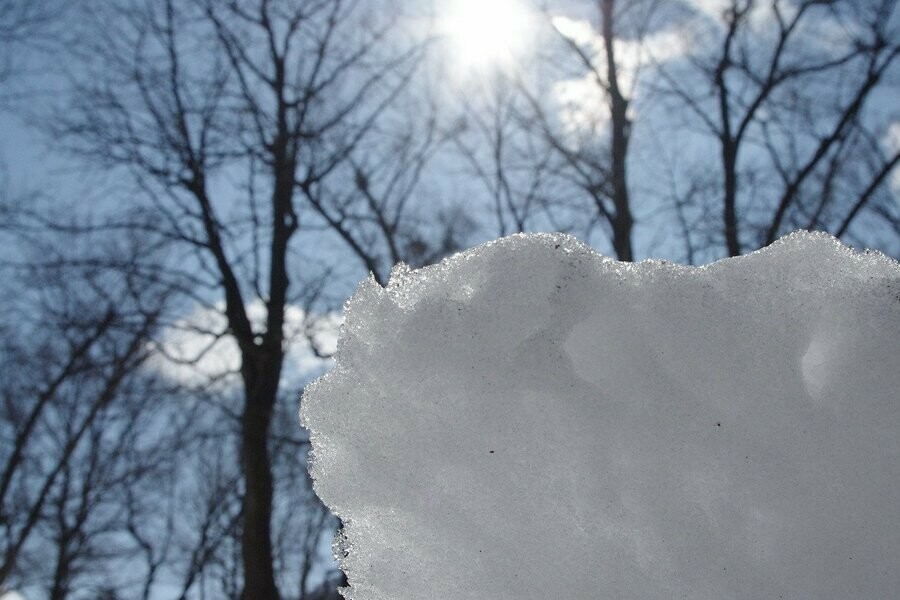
(530, 420)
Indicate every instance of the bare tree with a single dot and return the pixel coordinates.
(511, 162)
(230, 116)
(24, 25)
(598, 168)
(76, 403)
(370, 204)
(762, 92)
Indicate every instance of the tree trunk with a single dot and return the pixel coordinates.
(261, 385)
(60, 587)
(729, 204)
(623, 221)
(261, 392)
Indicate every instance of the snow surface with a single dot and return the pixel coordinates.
(529, 420)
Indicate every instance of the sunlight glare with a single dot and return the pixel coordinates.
(487, 34)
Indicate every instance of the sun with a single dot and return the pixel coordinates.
(487, 34)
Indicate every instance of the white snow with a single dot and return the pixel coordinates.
(530, 420)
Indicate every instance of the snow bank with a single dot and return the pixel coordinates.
(531, 420)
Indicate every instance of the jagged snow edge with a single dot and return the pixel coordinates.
(403, 278)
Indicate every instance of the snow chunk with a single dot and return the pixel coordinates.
(531, 420)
